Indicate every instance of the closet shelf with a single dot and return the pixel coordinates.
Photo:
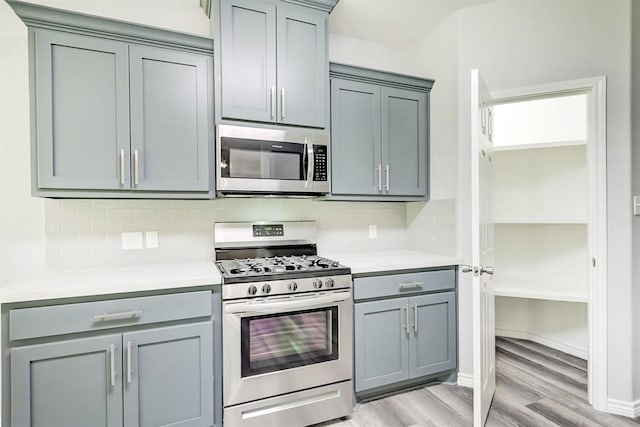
(544, 289)
(532, 220)
(539, 145)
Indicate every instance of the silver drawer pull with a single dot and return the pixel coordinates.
(410, 285)
(117, 316)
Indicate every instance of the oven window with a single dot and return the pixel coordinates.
(275, 342)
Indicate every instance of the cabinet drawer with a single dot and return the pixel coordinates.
(36, 322)
(403, 284)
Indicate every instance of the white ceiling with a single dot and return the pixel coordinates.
(393, 22)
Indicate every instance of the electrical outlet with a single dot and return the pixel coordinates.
(373, 231)
(151, 238)
(636, 205)
(132, 240)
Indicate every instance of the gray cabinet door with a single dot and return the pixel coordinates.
(404, 140)
(432, 345)
(169, 120)
(82, 104)
(355, 138)
(168, 376)
(381, 343)
(303, 72)
(248, 60)
(70, 383)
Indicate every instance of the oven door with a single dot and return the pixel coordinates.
(256, 160)
(283, 344)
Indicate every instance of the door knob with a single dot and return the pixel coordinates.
(469, 269)
(486, 270)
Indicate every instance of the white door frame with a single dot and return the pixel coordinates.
(595, 89)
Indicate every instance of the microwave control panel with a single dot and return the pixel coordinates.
(320, 164)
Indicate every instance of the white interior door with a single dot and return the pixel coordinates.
(482, 230)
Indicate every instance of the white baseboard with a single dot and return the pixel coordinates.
(578, 352)
(624, 408)
(465, 380)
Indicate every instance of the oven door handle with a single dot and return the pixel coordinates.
(288, 305)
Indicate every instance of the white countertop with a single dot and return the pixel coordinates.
(376, 262)
(104, 281)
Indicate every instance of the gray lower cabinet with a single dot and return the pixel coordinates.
(159, 376)
(118, 118)
(273, 62)
(402, 339)
(379, 135)
(67, 383)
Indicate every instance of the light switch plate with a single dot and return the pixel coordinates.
(373, 231)
(151, 238)
(132, 240)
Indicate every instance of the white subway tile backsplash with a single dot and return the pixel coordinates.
(87, 233)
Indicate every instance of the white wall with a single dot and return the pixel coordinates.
(635, 25)
(21, 217)
(518, 43)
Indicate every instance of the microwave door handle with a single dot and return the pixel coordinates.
(310, 163)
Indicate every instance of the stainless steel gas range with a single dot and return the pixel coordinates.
(287, 326)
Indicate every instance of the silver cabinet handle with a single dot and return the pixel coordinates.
(406, 319)
(410, 285)
(415, 317)
(136, 165)
(129, 362)
(282, 102)
(112, 365)
(117, 316)
(122, 166)
(386, 169)
(379, 171)
(273, 102)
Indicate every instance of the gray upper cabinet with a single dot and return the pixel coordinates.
(355, 119)
(117, 109)
(67, 383)
(82, 104)
(404, 136)
(273, 62)
(169, 118)
(379, 135)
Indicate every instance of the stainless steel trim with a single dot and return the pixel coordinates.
(117, 316)
(379, 170)
(282, 102)
(273, 102)
(311, 160)
(228, 234)
(386, 168)
(122, 166)
(415, 317)
(238, 291)
(301, 303)
(112, 365)
(136, 165)
(410, 285)
(129, 362)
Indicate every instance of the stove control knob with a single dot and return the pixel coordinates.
(252, 290)
(293, 286)
(329, 283)
(317, 284)
(266, 288)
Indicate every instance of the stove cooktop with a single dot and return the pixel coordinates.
(278, 267)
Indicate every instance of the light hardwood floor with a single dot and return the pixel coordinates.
(536, 386)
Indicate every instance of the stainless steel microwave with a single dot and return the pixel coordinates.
(271, 161)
